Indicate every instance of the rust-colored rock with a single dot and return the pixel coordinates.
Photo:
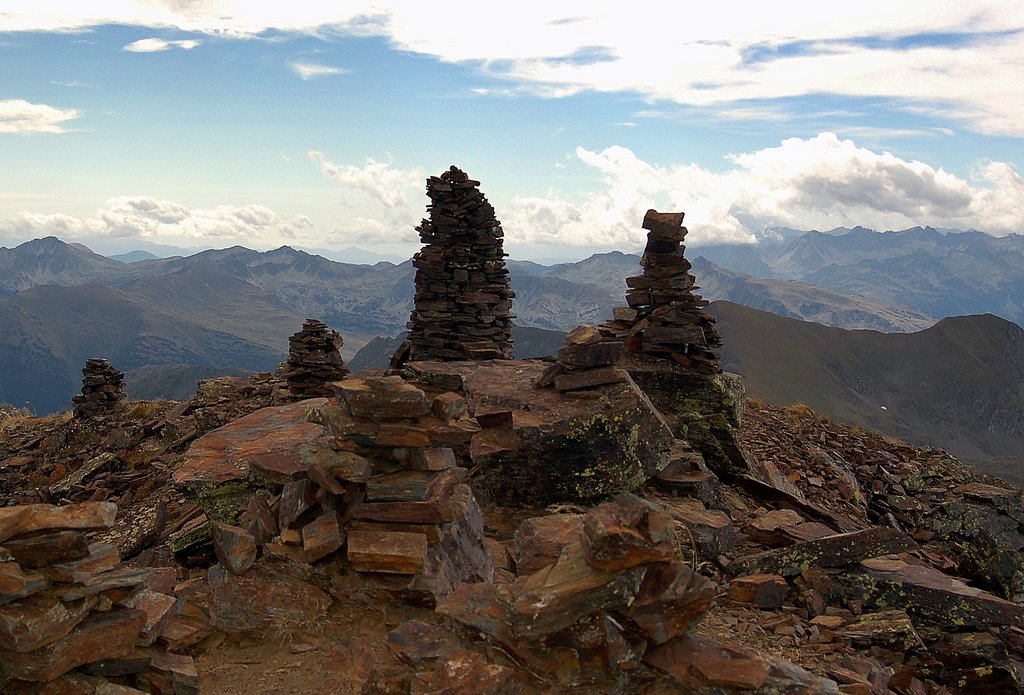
(235, 547)
(100, 636)
(761, 590)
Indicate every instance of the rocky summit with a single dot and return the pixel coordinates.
(616, 518)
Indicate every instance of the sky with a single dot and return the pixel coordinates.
(204, 124)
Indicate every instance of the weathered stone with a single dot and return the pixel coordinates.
(628, 531)
(297, 497)
(671, 599)
(100, 557)
(765, 529)
(173, 673)
(158, 608)
(761, 590)
(711, 529)
(346, 466)
(555, 597)
(701, 666)
(929, 594)
(601, 376)
(449, 406)
(263, 599)
(839, 550)
(259, 519)
(413, 486)
(322, 536)
(558, 448)
(103, 635)
(891, 629)
(27, 518)
(39, 620)
(267, 440)
(235, 547)
(539, 541)
(43, 548)
(393, 552)
(381, 400)
(118, 578)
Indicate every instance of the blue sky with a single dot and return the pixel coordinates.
(195, 124)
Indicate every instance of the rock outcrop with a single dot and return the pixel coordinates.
(463, 302)
(540, 446)
(102, 389)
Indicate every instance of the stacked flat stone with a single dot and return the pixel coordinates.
(586, 360)
(102, 389)
(463, 301)
(665, 318)
(314, 360)
(72, 616)
(416, 519)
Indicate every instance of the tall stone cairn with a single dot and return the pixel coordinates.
(463, 300)
(665, 318)
(102, 389)
(314, 360)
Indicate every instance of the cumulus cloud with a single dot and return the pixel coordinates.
(308, 71)
(155, 45)
(379, 180)
(955, 59)
(23, 117)
(152, 219)
(815, 183)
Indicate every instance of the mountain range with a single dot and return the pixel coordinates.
(234, 308)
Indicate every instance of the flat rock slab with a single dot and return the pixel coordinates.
(838, 550)
(266, 441)
(937, 597)
(558, 447)
(39, 620)
(27, 518)
(703, 666)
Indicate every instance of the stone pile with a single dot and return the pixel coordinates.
(416, 517)
(463, 301)
(600, 598)
(586, 360)
(314, 360)
(384, 486)
(102, 389)
(664, 317)
(72, 616)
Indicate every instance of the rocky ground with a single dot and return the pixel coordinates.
(842, 561)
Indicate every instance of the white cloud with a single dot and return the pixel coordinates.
(23, 117)
(379, 180)
(308, 71)
(821, 182)
(667, 52)
(155, 45)
(152, 219)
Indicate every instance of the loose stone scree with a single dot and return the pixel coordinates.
(463, 301)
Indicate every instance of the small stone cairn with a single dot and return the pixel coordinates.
(664, 317)
(75, 618)
(314, 360)
(586, 360)
(463, 300)
(383, 486)
(102, 389)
